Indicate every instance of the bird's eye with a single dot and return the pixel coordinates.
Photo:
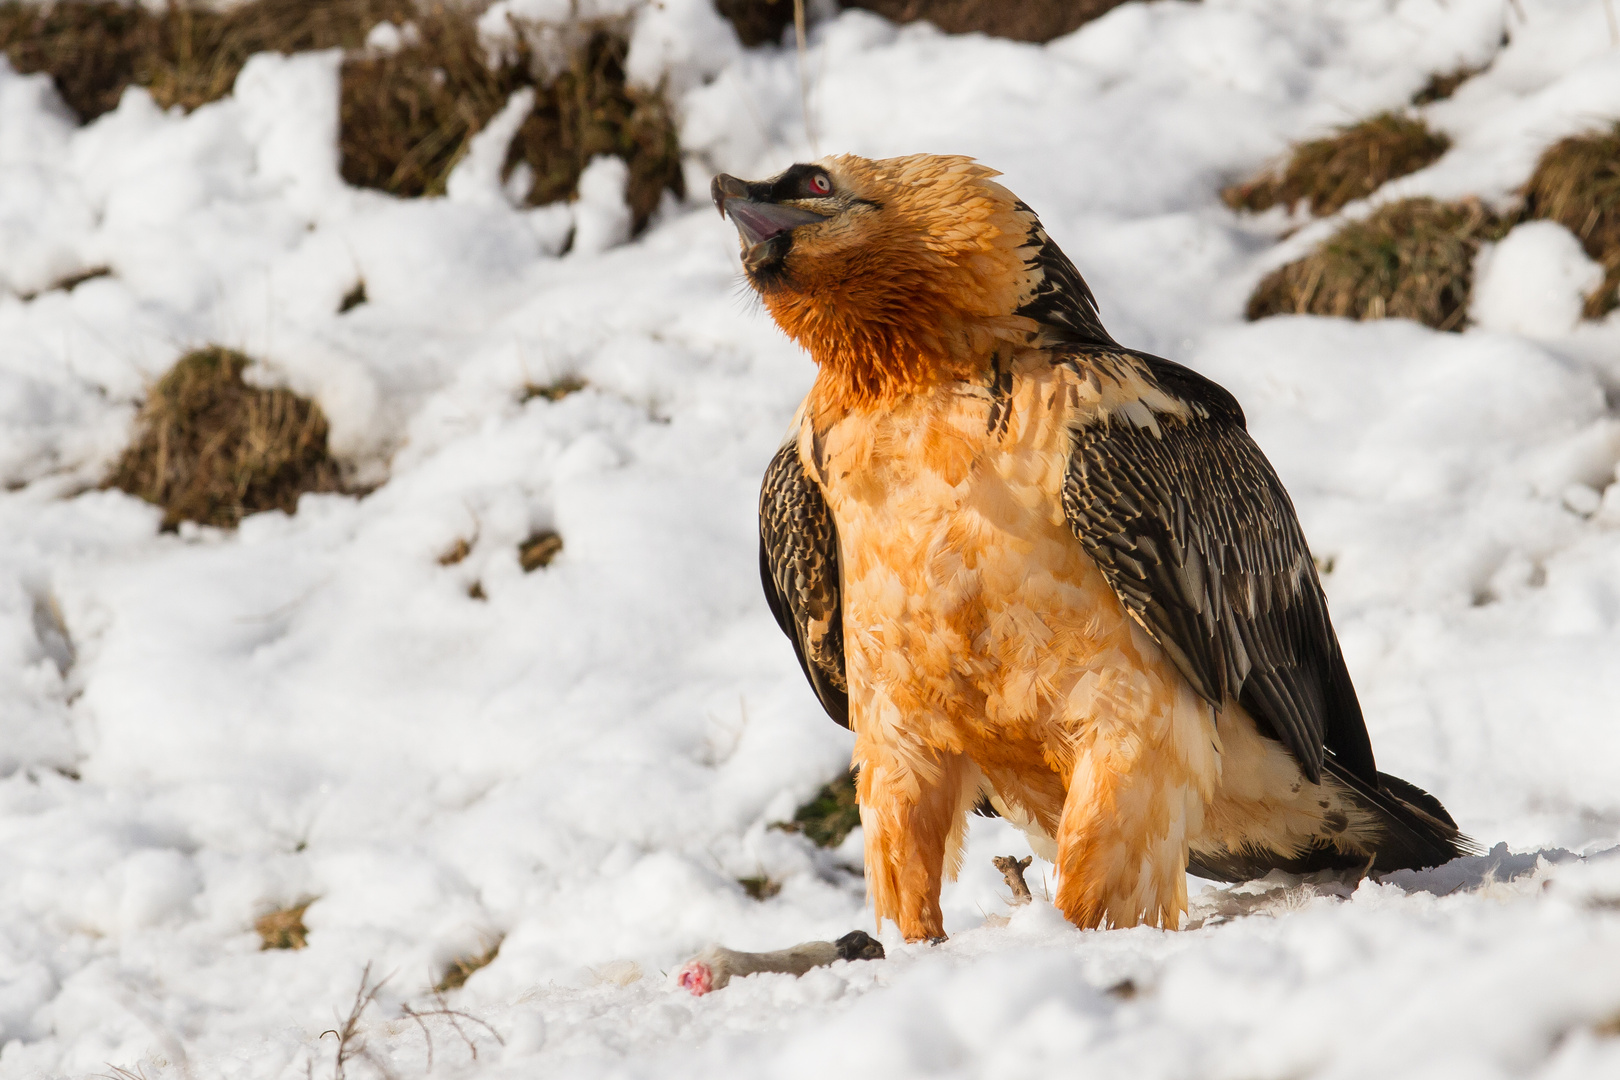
(820, 185)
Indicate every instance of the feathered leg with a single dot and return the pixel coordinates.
(913, 812)
(1143, 773)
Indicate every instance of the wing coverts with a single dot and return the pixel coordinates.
(798, 564)
(1194, 532)
(1061, 300)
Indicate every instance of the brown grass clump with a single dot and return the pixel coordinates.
(283, 929)
(210, 448)
(1442, 85)
(90, 50)
(760, 887)
(538, 550)
(829, 817)
(1021, 20)
(69, 282)
(354, 297)
(1409, 260)
(1350, 165)
(757, 22)
(407, 118)
(461, 970)
(587, 110)
(1577, 184)
(187, 54)
(555, 390)
(590, 110)
(455, 552)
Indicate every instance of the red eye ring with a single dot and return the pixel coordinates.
(820, 185)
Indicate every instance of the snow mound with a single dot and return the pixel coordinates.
(1534, 282)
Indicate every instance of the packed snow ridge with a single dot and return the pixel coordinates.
(200, 728)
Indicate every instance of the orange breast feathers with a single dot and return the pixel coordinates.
(987, 656)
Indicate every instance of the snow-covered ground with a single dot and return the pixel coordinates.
(198, 729)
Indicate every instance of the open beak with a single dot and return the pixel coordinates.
(765, 226)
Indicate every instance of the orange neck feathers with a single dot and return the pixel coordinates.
(882, 338)
(917, 291)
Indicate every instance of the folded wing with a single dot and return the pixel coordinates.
(798, 564)
(1192, 528)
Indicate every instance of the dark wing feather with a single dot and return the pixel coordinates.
(1194, 531)
(798, 564)
(1061, 300)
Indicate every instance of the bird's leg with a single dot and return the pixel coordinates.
(1122, 842)
(913, 814)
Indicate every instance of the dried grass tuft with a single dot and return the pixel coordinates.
(354, 297)
(210, 448)
(1020, 20)
(460, 970)
(187, 54)
(538, 550)
(69, 282)
(555, 390)
(455, 552)
(91, 51)
(757, 22)
(1442, 85)
(1349, 165)
(760, 887)
(284, 929)
(829, 817)
(405, 119)
(588, 109)
(1577, 184)
(1408, 260)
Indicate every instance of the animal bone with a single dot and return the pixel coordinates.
(1013, 870)
(715, 966)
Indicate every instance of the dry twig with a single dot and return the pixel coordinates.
(454, 1017)
(351, 1044)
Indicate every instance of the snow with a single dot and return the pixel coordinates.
(1534, 282)
(601, 218)
(197, 729)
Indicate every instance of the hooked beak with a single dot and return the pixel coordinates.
(765, 227)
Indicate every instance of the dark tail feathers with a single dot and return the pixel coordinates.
(1417, 834)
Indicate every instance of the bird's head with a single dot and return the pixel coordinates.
(894, 274)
